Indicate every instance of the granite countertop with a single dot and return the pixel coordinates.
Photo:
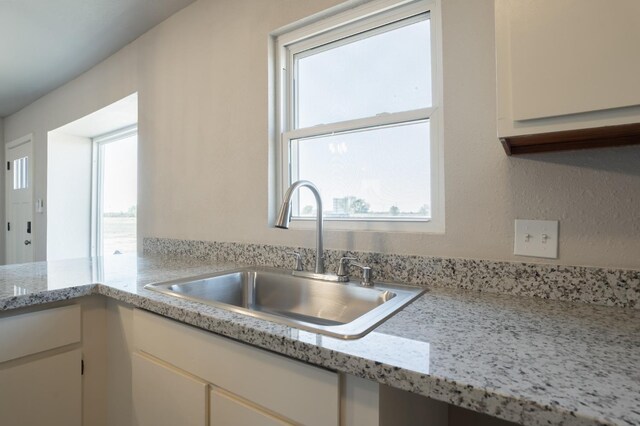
(522, 359)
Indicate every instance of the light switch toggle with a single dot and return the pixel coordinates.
(536, 238)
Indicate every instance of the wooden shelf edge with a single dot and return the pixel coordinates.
(597, 137)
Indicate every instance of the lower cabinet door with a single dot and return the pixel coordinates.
(305, 394)
(166, 396)
(46, 391)
(227, 410)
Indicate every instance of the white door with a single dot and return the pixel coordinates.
(19, 201)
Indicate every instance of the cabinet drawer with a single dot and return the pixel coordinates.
(297, 391)
(34, 332)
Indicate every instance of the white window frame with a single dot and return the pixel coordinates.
(329, 30)
(97, 182)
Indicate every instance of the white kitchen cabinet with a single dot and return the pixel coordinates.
(274, 388)
(166, 396)
(29, 333)
(45, 391)
(567, 65)
(40, 367)
(228, 410)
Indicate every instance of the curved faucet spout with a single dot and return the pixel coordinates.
(284, 218)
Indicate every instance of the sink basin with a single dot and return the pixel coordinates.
(343, 310)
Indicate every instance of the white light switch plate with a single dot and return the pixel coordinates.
(536, 238)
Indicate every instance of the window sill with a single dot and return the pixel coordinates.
(408, 226)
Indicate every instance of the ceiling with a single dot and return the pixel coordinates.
(46, 43)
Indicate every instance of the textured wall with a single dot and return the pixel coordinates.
(69, 161)
(2, 190)
(204, 132)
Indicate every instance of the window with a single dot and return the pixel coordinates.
(359, 115)
(21, 173)
(115, 192)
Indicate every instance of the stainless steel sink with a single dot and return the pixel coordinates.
(343, 310)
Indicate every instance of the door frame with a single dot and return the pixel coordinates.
(27, 139)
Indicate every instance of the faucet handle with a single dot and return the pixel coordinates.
(366, 273)
(298, 259)
(343, 267)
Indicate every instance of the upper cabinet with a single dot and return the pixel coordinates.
(568, 73)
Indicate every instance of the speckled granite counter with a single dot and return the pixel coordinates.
(522, 359)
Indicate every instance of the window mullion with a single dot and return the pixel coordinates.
(360, 123)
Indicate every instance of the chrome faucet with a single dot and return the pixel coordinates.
(284, 217)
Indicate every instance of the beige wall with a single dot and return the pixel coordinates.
(69, 161)
(2, 220)
(204, 132)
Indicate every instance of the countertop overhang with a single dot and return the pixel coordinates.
(527, 360)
